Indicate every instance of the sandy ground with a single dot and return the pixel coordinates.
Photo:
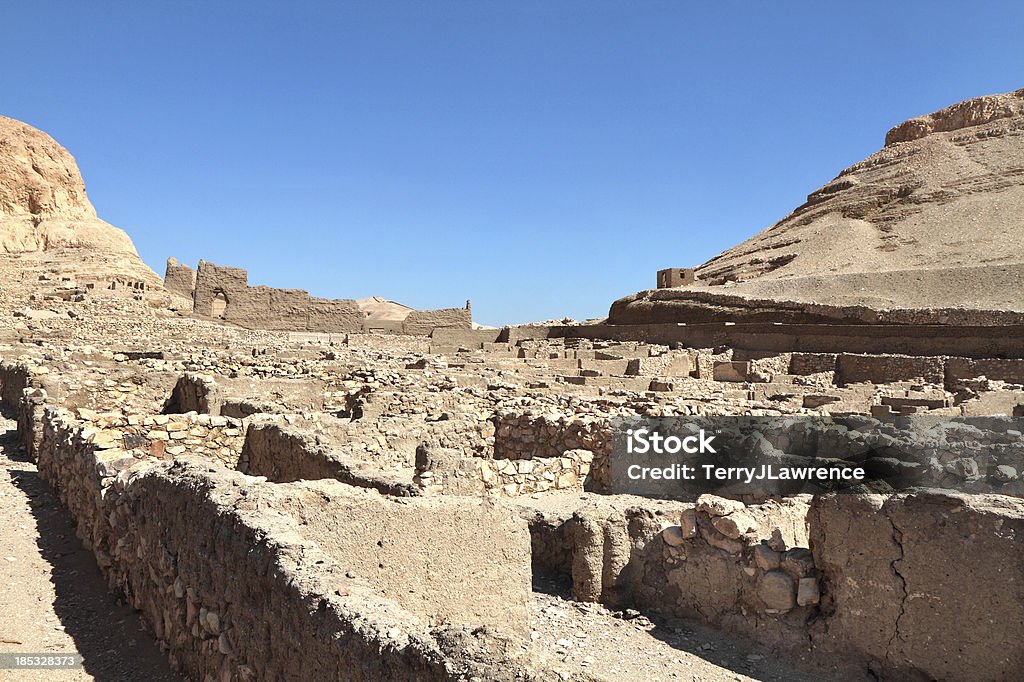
(622, 646)
(53, 598)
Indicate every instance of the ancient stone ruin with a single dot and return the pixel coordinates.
(223, 293)
(287, 487)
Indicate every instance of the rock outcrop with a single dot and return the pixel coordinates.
(44, 207)
(930, 225)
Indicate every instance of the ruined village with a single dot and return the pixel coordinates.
(273, 486)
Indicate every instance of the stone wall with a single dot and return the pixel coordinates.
(233, 575)
(958, 369)
(281, 453)
(879, 369)
(165, 436)
(512, 478)
(803, 364)
(550, 438)
(23, 393)
(528, 436)
(194, 393)
(865, 584)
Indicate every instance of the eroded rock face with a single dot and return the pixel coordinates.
(43, 203)
(931, 222)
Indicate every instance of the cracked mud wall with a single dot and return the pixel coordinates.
(926, 585)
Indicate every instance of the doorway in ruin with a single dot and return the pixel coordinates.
(219, 305)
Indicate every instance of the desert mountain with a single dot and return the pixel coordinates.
(932, 222)
(377, 308)
(46, 215)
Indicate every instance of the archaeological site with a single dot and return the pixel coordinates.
(254, 483)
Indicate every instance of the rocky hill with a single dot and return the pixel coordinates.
(930, 228)
(46, 216)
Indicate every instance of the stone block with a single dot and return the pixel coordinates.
(731, 371)
(777, 590)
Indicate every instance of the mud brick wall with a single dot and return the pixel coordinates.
(457, 560)
(390, 342)
(671, 364)
(881, 369)
(812, 363)
(895, 570)
(179, 279)
(425, 321)
(444, 338)
(263, 307)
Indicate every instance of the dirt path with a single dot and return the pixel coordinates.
(53, 598)
(576, 636)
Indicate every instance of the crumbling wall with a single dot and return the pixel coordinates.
(550, 438)
(281, 453)
(194, 393)
(163, 535)
(164, 436)
(224, 293)
(449, 339)
(864, 583)
(958, 369)
(528, 436)
(894, 575)
(179, 278)
(24, 395)
(670, 364)
(426, 321)
(745, 568)
(812, 363)
(389, 342)
(881, 369)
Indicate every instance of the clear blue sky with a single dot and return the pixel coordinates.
(542, 158)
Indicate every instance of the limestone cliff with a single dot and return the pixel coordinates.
(932, 222)
(44, 208)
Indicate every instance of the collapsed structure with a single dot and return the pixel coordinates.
(268, 477)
